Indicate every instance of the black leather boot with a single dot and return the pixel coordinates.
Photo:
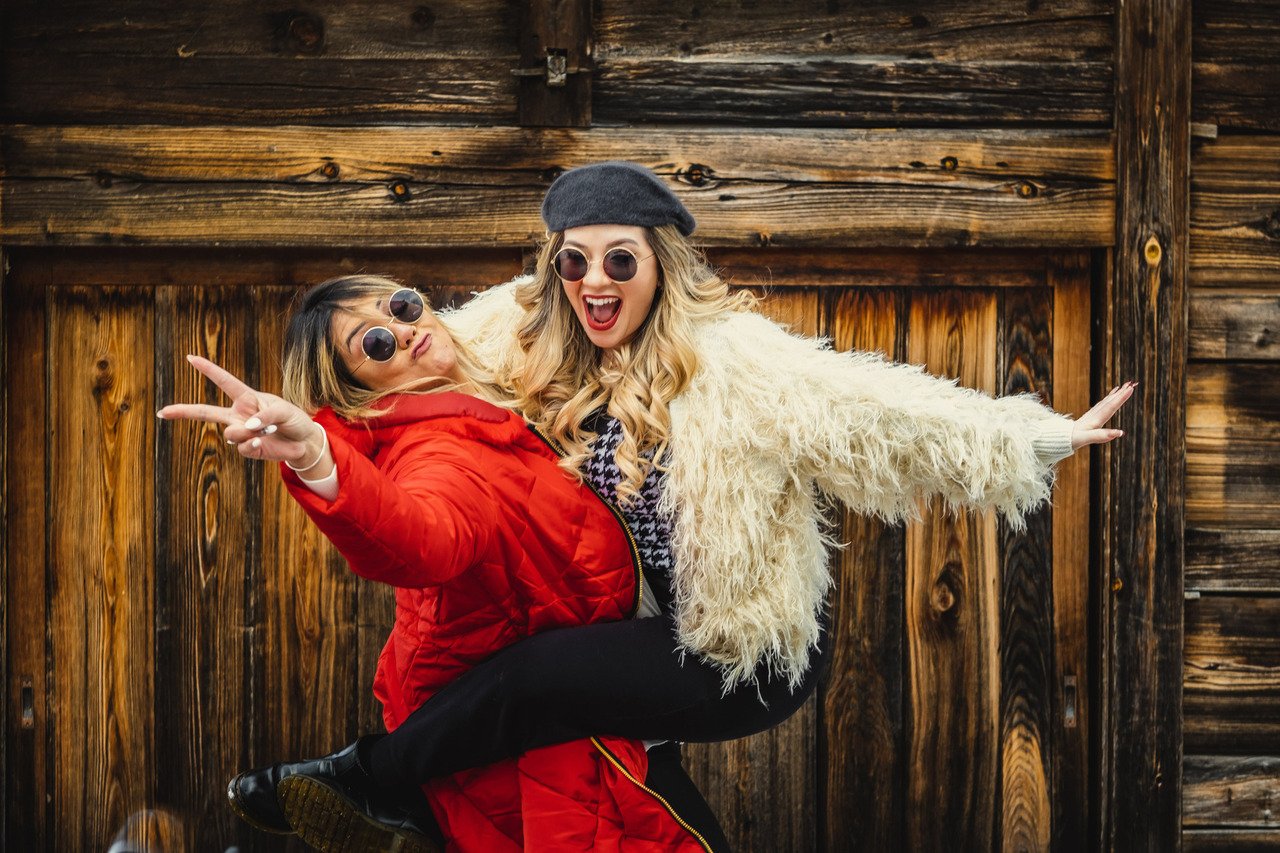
(261, 798)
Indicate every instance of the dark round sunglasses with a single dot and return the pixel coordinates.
(618, 264)
(380, 343)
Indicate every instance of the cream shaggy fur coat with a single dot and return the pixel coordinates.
(771, 426)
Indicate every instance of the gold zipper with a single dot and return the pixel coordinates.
(617, 514)
(613, 759)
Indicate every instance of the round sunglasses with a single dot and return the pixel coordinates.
(380, 343)
(618, 264)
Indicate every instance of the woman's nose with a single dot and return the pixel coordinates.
(596, 274)
(403, 331)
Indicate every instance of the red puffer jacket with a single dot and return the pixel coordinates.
(464, 509)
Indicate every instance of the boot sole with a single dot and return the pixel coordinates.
(329, 822)
(237, 806)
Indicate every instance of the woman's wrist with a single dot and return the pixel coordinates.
(322, 452)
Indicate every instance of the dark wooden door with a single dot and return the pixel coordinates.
(173, 619)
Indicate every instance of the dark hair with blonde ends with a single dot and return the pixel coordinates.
(315, 374)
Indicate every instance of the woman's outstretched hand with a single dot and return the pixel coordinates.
(1091, 428)
(260, 425)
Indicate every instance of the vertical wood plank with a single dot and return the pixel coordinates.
(763, 788)
(204, 550)
(551, 30)
(26, 734)
(859, 757)
(952, 611)
(305, 645)
(1072, 575)
(1145, 571)
(101, 618)
(1026, 604)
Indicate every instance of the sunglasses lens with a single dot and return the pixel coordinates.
(571, 265)
(379, 344)
(620, 265)
(405, 305)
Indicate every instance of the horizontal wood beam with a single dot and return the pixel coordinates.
(259, 186)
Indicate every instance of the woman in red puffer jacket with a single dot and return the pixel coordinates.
(464, 509)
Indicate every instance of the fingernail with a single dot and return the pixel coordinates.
(190, 357)
(253, 422)
(229, 441)
(256, 443)
(160, 415)
(270, 429)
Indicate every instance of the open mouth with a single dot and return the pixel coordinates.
(602, 311)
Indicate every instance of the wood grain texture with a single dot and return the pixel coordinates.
(1236, 65)
(101, 540)
(1232, 325)
(555, 28)
(1233, 560)
(296, 186)
(1231, 480)
(26, 579)
(952, 613)
(1142, 637)
(1230, 791)
(862, 772)
(1231, 840)
(1026, 602)
(306, 651)
(206, 555)
(1073, 572)
(1231, 685)
(1235, 210)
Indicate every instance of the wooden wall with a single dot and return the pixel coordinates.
(1232, 658)
(898, 173)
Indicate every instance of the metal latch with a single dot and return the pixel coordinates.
(556, 70)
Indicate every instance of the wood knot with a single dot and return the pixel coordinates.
(550, 173)
(1271, 225)
(103, 179)
(943, 597)
(1026, 189)
(423, 17)
(301, 32)
(764, 238)
(329, 170)
(950, 164)
(399, 191)
(1152, 251)
(698, 174)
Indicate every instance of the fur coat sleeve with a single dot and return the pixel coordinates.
(772, 424)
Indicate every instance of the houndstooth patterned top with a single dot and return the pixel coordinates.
(651, 528)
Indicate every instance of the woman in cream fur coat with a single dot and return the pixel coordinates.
(719, 436)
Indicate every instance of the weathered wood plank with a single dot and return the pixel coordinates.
(1072, 718)
(933, 29)
(1230, 840)
(1025, 351)
(952, 614)
(556, 38)
(1142, 612)
(1241, 398)
(305, 610)
(1231, 480)
(1234, 791)
(1231, 689)
(860, 744)
(156, 187)
(1233, 560)
(839, 91)
(206, 552)
(1233, 325)
(374, 29)
(777, 267)
(26, 591)
(101, 537)
(1235, 210)
(763, 788)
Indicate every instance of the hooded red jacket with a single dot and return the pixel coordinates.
(465, 510)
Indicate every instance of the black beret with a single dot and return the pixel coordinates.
(616, 192)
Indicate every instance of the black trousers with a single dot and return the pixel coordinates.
(616, 678)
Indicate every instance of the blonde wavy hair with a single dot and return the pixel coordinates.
(564, 377)
(315, 374)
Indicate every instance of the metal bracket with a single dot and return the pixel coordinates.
(556, 69)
